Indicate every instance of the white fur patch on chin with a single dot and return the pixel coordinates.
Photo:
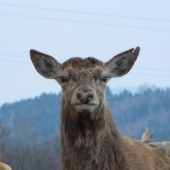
(85, 108)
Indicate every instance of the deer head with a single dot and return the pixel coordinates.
(83, 81)
(146, 137)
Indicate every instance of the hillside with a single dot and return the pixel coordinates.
(132, 113)
(29, 129)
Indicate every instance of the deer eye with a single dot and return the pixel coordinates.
(63, 79)
(104, 79)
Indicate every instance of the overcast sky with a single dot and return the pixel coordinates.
(70, 28)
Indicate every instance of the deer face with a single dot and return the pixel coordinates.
(83, 81)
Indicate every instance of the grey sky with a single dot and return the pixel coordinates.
(64, 34)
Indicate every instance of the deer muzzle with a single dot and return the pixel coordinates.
(84, 100)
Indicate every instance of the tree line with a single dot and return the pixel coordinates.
(29, 129)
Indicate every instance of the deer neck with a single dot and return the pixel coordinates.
(94, 143)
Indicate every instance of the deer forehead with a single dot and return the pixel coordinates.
(78, 63)
(83, 67)
(95, 72)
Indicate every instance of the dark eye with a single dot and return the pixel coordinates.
(104, 79)
(63, 79)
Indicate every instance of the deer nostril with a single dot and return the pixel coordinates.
(84, 98)
(78, 94)
(89, 97)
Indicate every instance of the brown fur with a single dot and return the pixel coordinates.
(163, 146)
(4, 166)
(89, 137)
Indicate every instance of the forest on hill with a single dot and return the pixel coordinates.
(29, 129)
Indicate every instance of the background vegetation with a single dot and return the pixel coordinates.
(29, 129)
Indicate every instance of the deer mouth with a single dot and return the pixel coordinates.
(85, 108)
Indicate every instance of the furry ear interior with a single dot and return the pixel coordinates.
(122, 63)
(46, 65)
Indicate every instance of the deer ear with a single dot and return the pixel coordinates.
(46, 65)
(146, 129)
(152, 133)
(122, 63)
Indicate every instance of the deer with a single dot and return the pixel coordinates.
(90, 139)
(163, 146)
(4, 166)
(146, 137)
